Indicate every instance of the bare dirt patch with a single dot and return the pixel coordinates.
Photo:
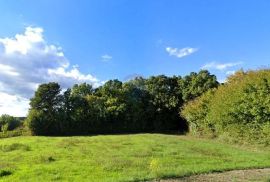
(258, 175)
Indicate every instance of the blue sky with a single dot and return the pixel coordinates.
(107, 39)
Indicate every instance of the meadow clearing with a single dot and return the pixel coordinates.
(136, 157)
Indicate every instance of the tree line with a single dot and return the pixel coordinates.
(139, 105)
(235, 111)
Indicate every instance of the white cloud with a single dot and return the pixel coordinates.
(181, 52)
(23, 42)
(220, 66)
(106, 57)
(13, 105)
(26, 61)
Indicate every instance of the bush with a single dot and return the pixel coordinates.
(195, 113)
(38, 123)
(21, 131)
(8, 123)
(239, 109)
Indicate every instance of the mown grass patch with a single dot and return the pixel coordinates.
(138, 157)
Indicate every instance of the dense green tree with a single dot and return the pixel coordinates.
(115, 105)
(45, 109)
(97, 114)
(82, 90)
(67, 108)
(79, 114)
(112, 88)
(38, 123)
(166, 100)
(47, 98)
(140, 111)
(195, 84)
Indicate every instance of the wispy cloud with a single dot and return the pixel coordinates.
(231, 72)
(220, 66)
(26, 61)
(106, 57)
(181, 52)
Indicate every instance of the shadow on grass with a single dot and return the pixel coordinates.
(119, 133)
(4, 173)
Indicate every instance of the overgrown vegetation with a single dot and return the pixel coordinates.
(11, 126)
(139, 105)
(238, 111)
(8, 123)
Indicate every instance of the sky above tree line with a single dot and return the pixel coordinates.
(92, 41)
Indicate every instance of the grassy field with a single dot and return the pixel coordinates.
(119, 158)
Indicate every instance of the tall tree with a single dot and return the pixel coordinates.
(44, 109)
(79, 111)
(47, 98)
(166, 100)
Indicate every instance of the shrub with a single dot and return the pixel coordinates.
(37, 123)
(15, 133)
(8, 123)
(239, 109)
(195, 113)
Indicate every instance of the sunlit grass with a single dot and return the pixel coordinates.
(119, 157)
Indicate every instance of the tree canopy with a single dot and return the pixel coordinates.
(139, 105)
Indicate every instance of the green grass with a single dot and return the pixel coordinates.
(119, 158)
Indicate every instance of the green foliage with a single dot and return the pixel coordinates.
(45, 112)
(140, 110)
(165, 98)
(37, 123)
(8, 123)
(195, 113)
(239, 109)
(82, 90)
(139, 105)
(196, 84)
(47, 98)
